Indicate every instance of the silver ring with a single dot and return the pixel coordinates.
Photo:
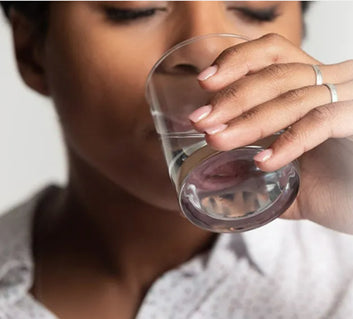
(318, 74)
(333, 91)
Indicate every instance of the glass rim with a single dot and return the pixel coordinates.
(182, 44)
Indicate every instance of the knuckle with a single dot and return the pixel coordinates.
(231, 92)
(273, 37)
(277, 70)
(322, 114)
(296, 95)
(274, 45)
(291, 136)
(249, 115)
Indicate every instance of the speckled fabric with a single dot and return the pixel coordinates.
(285, 270)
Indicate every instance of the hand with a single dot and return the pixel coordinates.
(268, 84)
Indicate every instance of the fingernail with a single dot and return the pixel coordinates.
(263, 156)
(200, 113)
(216, 129)
(207, 73)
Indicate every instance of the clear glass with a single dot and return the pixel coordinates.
(217, 191)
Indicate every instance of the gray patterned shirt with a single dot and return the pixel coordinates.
(286, 269)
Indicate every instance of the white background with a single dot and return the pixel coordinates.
(31, 151)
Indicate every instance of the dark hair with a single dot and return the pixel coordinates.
(305, 5)
(34, 10)
(31, 9)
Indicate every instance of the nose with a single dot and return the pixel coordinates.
(197, 48)
(192, 56)
(195, 54)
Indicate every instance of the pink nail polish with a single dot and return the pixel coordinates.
(200, 113)
(207, 73)
(216, 129)
(263, 156)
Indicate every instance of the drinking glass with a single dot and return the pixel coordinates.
(217, 191)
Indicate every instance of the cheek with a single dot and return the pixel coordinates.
(103, 87)
(97, 83)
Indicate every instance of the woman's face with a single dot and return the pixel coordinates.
(97, 57)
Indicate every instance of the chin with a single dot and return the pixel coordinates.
(164, 201)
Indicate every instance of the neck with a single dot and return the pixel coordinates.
(134, 241)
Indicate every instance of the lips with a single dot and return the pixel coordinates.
(223, 176)
(225, 170)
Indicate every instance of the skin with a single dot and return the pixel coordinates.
(119, 210)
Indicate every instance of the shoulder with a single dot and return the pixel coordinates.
(16, 265)
(15, 230)
(290, 262)
(15, 221)
(302, 243)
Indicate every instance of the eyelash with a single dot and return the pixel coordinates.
(259, 15)
(126, 15)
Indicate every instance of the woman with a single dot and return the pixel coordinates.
(112, 244)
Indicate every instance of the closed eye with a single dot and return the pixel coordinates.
(125, 15)
(259, 15)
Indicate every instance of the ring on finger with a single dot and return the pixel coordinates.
(318, 74)
(333, 92)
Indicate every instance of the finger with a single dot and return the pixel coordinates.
(259, 87)
(324, 122)
(275, 115)
(337, 73)
(272, 81)
(251, 56)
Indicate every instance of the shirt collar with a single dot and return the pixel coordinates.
(16, 264)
